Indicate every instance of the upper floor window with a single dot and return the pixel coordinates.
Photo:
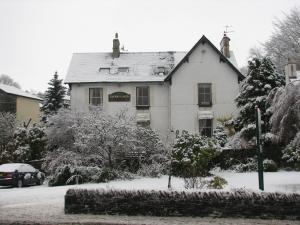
(142, 96)
(96, 96)
(204, 94)
(123, 69)
(160, 70)
(205, 127)
(104, 69)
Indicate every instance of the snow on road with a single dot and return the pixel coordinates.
(43, 203)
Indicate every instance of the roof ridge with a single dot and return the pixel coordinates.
(130, 52)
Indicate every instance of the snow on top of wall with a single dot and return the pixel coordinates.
(129, 67)
(16, 91)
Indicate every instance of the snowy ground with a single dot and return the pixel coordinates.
(42, 203)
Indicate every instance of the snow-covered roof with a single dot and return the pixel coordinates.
(129, 67)
(16, 91)
(230, 61)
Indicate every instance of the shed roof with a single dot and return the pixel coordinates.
(16, 91)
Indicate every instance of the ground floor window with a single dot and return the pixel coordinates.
(96, 96)
(205, 127)
(142, 97)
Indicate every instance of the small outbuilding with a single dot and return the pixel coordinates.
(23, 104)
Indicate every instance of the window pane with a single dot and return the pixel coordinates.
(204, 94)
(96, 97)
(142, 96)
(205, 127)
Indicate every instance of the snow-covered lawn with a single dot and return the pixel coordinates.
(44, 203)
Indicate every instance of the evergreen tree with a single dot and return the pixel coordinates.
(54, 96)
(260, 80)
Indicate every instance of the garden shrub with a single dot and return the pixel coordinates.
(195, 182)
(152, 170)
(269, 165)
(115, 143)
(291, 154)
(193, 155)
(217, 183)
(250, 164)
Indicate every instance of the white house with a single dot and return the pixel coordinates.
(167, 90)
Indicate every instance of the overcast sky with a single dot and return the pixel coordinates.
(38, 37)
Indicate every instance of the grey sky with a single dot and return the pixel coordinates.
(38, 37)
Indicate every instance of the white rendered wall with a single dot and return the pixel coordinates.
(159, 104)
(203, 66)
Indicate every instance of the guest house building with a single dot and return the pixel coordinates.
(168, 91)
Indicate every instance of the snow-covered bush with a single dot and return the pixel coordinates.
(29, 143)
(291, 154)
(113, 143)
(192, 155)
(7, 128)
(195, 182)
(19, 143)
(284, 105)
(152, 170)
(260, 80)
(60, 129)
(269, 165)
(220, 135)
(249, 164)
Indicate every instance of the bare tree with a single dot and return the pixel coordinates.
(285, 40)
(5, 79)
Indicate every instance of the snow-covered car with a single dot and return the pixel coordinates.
(19, 175)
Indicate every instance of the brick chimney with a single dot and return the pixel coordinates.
(290, 70)
(116, 47)
(225, 46)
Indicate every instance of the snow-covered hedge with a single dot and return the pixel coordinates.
(173, 203)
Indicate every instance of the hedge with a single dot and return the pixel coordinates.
(239, 203)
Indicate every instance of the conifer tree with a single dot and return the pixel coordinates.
(260, 80)
(54, 96)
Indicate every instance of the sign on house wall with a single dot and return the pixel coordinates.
(119, 97)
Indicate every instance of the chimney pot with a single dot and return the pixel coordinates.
(225, 49)
(116, 47)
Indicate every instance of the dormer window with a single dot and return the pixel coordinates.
(160, 70)
(123, 69)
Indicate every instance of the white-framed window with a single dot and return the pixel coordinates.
(104, 69)
(204, 94)
(123, 69)
(206, 127)
(142, 96)
(96, 96)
